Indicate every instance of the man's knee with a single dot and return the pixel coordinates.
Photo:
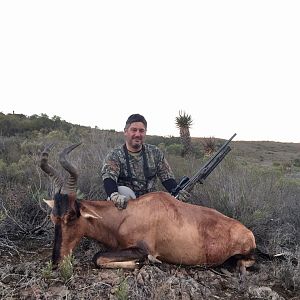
(126, 191)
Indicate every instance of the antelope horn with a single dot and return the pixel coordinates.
(48, 169)
(71, 185)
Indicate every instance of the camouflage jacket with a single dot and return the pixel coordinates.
(144, 168)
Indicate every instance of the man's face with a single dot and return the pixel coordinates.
(135, 135)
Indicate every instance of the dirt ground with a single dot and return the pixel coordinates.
(26, 275)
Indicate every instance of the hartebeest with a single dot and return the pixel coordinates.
(155, 226)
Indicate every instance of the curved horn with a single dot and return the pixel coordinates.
(71, 185)
(48, 169)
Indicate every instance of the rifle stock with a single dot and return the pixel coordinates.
(188, 184)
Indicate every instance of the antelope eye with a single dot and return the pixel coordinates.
(71, 217)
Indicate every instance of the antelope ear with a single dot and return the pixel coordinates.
(49, 202)
(88, 212)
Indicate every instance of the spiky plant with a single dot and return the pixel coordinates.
(184, 123)
(209, 145)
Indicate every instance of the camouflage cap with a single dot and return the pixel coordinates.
(136, 118)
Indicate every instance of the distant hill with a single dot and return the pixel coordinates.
(265, 153)
(19, 124)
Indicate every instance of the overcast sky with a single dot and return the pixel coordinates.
(234, 66)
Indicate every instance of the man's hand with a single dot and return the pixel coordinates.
(184, 196)
(119, 200)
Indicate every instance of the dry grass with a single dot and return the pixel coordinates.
(251, 185)
(267, 152)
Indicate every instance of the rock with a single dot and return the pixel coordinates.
(58, 292)
(264, 292)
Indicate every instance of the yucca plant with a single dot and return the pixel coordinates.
(184, 123)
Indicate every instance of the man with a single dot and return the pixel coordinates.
(137, 166)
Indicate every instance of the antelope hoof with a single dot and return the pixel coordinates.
(153, 259)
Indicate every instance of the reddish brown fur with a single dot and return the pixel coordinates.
(173, 231)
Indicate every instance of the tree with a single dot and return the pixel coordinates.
(184, 123)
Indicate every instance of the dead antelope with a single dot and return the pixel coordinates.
(155, 226)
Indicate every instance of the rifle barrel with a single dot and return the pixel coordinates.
(223, 146)
(211, 164)
(215, 155)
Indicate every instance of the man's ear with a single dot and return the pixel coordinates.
(88, 212)
(49, 202)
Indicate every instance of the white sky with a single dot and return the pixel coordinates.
(234, 66)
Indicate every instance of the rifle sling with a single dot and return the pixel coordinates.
(145, 166)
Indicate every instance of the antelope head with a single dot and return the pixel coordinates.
(66, 210)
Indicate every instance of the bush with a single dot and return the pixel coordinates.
(66, 268)
(175, 149)
(296, 162)
(288, 271)
(262, 199)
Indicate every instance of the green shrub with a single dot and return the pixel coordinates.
(122, 290)
(296, 162)
(66, 268)
(47, 270)
(2, 167)
(175, 149)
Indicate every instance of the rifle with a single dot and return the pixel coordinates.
(187, 184)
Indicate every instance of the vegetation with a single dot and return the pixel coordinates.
(258, 183)
(66, 267)
(16, 124)
(184, 123)
(122, 289)
(209, 145)
(47, 270)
